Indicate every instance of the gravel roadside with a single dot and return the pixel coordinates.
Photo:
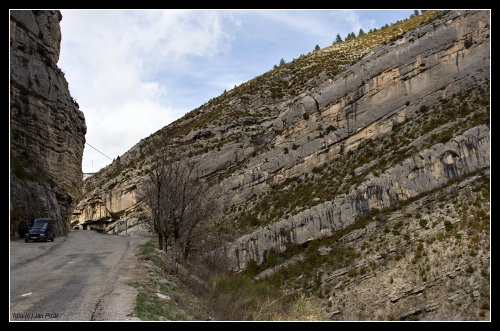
(119, 304)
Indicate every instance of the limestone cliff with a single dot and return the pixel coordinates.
(421, 173)
(347, 174)
(257, 135)
(47, 129)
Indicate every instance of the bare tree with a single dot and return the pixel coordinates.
(197, 225)
(155, 197)
(181, 206)
(189, 204)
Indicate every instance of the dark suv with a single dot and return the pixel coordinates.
(41, 229)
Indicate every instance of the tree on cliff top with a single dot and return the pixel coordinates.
(338, 39)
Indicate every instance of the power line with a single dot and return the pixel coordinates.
(100, 152)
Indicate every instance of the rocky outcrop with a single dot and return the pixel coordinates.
(47, 129)
(423, 172)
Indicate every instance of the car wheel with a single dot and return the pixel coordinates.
(52, 239)
(25, 240)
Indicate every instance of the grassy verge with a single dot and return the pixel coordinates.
(164, 297)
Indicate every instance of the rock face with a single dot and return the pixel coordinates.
(363, 102)
(423, 172)
(47, 129)
(373, 153)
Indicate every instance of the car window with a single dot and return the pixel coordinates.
(40, 225)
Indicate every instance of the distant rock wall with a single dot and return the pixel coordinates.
(47, 129)
(421, 173)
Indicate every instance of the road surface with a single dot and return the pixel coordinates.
(83, 276)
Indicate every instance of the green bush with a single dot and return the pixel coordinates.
(485, 306)
(252, 268)
(330, 128)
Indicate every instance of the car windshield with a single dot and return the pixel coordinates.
(40, 225)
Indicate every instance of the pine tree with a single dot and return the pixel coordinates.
(351, 35)
(317, 48)
(361, 33)
(282, 62)
(338, 39)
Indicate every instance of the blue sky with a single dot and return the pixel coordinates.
(135, 71)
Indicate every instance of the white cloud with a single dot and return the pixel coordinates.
(173, 34)
(111, 58)
(113, 131)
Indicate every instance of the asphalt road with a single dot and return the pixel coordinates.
(66, 280)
